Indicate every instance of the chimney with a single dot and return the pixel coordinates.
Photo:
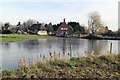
(64, 20)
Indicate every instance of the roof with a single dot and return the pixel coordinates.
(64, 25)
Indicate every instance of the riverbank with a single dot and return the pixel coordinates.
(100, 38)
(104, 66)
(22, 37)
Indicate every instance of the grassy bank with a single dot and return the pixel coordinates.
(100, 38)
(105, 66)
(21, 37)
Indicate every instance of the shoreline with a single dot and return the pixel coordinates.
(7, 38)
(75, 67)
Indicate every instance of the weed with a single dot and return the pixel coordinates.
(32, 67)
(74, 59)
(8, 72)
(118, 74)
(70, 64)
(96, 59)
(104, 57)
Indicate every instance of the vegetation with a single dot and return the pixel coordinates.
(104, 66)
(100, 37)
(21, 37)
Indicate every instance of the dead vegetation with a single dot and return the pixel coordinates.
(104, 66)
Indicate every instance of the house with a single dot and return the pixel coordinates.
(64, 30)
(42, 30)
(37, 29)
(52, 33)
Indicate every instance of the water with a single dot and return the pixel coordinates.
(12, 52)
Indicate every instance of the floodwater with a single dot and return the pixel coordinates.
(12, 52)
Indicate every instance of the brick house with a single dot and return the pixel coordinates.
(64, 30)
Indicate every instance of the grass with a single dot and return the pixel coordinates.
(22, 37)
(104, 66)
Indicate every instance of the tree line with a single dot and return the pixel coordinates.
(95, 26)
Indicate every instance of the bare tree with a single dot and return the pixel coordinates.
(94, 22)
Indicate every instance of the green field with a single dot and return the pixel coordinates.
(104, 66)
(21, 37)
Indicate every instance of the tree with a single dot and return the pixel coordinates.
(103, 30)
(94, 22)
(76, 27)
(49, 27)
(55, 27)
(71, 28)
(6, 25)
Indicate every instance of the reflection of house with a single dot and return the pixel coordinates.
(63, 30)
(42, 30)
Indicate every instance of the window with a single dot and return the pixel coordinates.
(61, 28)
(61, 32)
(66, 28)
(67, 32)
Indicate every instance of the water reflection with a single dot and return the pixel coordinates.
(12, 52)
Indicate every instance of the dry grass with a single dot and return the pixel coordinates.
(104, 66)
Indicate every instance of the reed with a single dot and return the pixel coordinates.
(81, 67)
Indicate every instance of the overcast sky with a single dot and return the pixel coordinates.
(54, 11)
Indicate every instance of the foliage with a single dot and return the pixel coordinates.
(70, 64)
(76, 26)
(71, 28)
(6, 25)
(49, 27)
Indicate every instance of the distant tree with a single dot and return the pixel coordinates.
(103, 30)
(94, 22)
(13, 31)
(85, 29)
(49, 27)
(1, 25)
(71, 28)
(55, 27)
(73, 24)
(29, 23)
(109, 33)
(77, 28)
(6, 25)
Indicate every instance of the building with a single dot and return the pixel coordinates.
(42, 31)
(37, 29)
(63, 30)
(52, 33)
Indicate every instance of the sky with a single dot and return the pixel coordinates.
(54, 11)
